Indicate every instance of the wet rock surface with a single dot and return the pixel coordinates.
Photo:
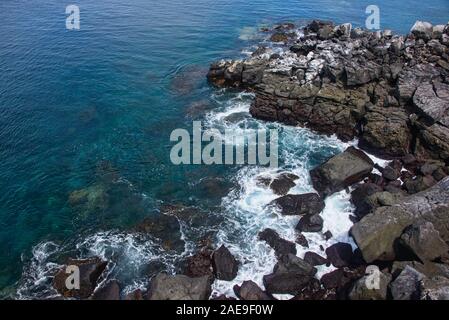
(90, 271)
(224, 264)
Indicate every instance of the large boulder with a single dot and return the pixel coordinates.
(407, 285)
(280, 246)
(310, 223)
(377, 232)
(341, 171)
(249, 290)
(424, 241)
(283, 183)
(362, 289)
(290, 275)
(300, 204)
(90, 271)
(314, 259)
(224, 264)
(422, 30)
(179, 287)
(340, 254)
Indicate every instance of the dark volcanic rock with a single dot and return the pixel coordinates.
(224, 264)
(300, 204)
(310, 223)
(90, 271)
(340, 254)
(290, 275)
(280, 246)
(377, 232)
(341, 171)
(301, 240)
(109, 291)
(360, 198)
(200, 264)
(388, 90)
(283, 183)
(250, 291)
(314, 259)
(179, 287)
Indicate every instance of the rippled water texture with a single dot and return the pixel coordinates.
(85, 119)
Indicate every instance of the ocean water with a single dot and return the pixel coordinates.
(90, 112)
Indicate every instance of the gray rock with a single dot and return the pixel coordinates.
(376, 233)
(436, 288)
(179, 287)
(250, 291)
(407, 285)
(386, 133)
(432, 106)
(341, 171)
(290, 275)
(422, 30)
(361, 291)
(424, 241)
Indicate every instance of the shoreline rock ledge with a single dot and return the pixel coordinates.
(390, 91)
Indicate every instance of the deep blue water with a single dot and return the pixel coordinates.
(95, 108)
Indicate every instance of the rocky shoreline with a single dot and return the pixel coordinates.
(390, 92)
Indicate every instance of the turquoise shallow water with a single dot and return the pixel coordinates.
(94, 109)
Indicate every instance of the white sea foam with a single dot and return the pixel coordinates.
(246, 208)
